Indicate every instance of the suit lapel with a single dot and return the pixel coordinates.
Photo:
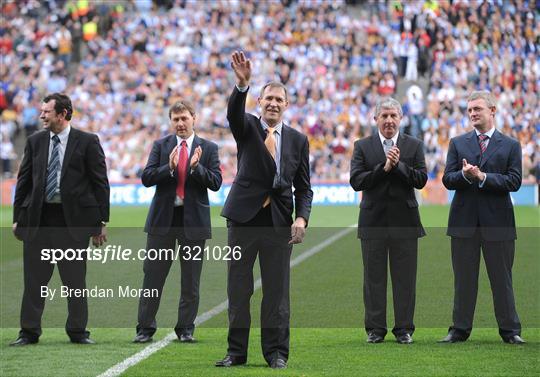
(401, 142)
(260, 130)
(285, 147)
(170, 144)
(474, 147)
(73, 140)
(377, 147)
(44, 153)
(493, 145)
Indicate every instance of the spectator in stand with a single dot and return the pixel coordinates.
(337, 60)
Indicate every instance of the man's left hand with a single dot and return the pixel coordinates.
(393, 155)
(196, 157)
(298, 231)
(477, 173)
(101, 238)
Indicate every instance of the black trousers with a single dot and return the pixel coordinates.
(52, 234)
(499, 259)
(155, 274)
(258, 236)
(403, 255)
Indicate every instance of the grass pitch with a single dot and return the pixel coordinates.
(327, 337)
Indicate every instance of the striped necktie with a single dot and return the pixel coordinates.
(53, 169)
(483, 141)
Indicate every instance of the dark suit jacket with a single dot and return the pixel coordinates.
(206, 176)
(489, 207)
(388, 207)
(84, 187)
(256, 170)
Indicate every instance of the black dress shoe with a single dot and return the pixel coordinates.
(186, 338)
(83, 341)
(22, 341)
(514, 339)
(278, 363)
(229, 361)
(374, 338)
(452, 337)
(142, 338)
(404, 339)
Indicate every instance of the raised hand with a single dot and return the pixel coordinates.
(196, 157)
(173, 158)
(242, 68)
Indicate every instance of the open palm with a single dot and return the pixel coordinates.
(242, 68)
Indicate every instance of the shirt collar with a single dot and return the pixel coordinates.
(189, 140)
(394, 139)
(488, 134)
(277, 127)
(63, 136)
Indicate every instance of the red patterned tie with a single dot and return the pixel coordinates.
(182, 170)
(482, 140)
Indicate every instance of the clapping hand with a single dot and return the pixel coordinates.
(196, 157)
(392, 158)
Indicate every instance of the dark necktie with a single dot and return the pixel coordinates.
(52, 170)
(483, 140)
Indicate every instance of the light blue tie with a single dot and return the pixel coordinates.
(387, 144)
(52, 170)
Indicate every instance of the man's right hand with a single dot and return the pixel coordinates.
(173, 158)
(14, 229)
(468, 170)
(242, 68)
(392, 159)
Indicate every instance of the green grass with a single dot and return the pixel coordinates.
(344, 352)
(326, 313)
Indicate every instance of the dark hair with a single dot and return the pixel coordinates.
(180, 106)
(61, 102)
(274, 84)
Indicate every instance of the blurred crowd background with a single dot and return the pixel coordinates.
(123, 63)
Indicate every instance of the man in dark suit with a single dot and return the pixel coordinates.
(483, 166)
(183, 167)
(387, 167)
(272, 157)
(61, 200)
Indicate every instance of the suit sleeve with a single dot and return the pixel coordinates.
(361, 177)
(415, 176)
(24, 180)
(153, 172)
(236, 113)
(509, 181)
(209, 176)
(303, 195)
(453, 178)
(97, 172)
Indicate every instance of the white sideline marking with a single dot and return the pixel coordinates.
(122, 366)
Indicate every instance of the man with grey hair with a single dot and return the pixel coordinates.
(387, 166)
(483, 167)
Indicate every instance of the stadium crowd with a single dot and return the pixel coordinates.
(124, 63)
